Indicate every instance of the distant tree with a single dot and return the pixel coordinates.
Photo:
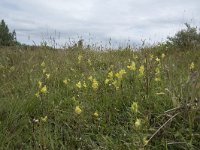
(185, 39)
(7, 38)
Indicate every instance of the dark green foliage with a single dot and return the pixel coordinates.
(7, 38)
(185, 39)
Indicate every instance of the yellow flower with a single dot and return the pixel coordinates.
(132, 66)
(120, 74)
(95, 84)
(43, 64)
(151, 56)
(106, 81)
(79, 58)
(47, 75)
(134, 107)
(37, 94)
(145, 141)
(157, 59)
(157, 79)
(44, 70)
(44, 119)
(163, 55)
(96, 114)
(44, 89)
(65, 81)
(110, 75)
(141, 70)
(39, 84)
(138, 123)
(90, 78)
(79, 84)
(78, 110)
(84, 84)
(89, 62)
(116, 84)
(192, 66)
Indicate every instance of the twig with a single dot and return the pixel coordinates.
(162, 126)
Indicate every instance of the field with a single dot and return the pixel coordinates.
(85, 99)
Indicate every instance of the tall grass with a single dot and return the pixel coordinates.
(147, 99)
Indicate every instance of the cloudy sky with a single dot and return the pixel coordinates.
(98, 20)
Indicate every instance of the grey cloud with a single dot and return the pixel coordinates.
(103, 19)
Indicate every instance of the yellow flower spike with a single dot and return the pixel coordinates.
(44, 89)
(141, 70)
(151, 56)
(138, 123)
(95, 84)
(163, 55)
(157, 59)
(44, 70)
(39, 84)
(145, 141)
(192, 66)
(96, 114)
(110, 75)
(44, 119)
(79, 85)
(106, 81)
(89, 62)
(79, 58)
(43, 64)
(78, 110)
(134, 107)
(37, 94)
(120, 74)
(48, 75)
(132, 66)
(116, 84)
(90, 78)
(84, 85)
(65, 81)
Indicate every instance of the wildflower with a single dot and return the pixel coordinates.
(44, 70)
(132, 66)
(95, 84)
(163, 55)
(65, 81)
(106, 81)
(157, 79)
(151, 57)
(79, 58)
(141, 70)
(157, 59)
(116, 84)
(44, 89)
(120, 74)
(110, 75)
(145, 141)
(78, 110)
(44, 119)
(96, 114)
(43, 64)
(79, 84)
(89, 62)
(84, 84)
(37, 94)
(134, 107)
(39, 84)
(138, 123)
(192, 66)
(90, 78)
(47, 75)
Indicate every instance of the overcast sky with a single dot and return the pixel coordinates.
(98, 20)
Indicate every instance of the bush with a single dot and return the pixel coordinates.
(185, 39)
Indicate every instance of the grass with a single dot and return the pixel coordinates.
(154, 108)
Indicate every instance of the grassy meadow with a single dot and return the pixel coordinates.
(109, 100)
